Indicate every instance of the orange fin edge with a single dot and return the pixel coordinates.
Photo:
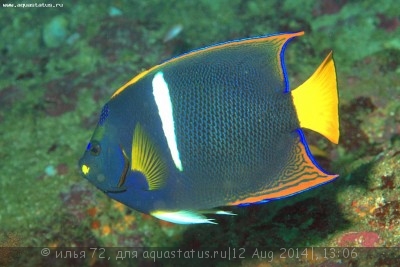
(300, 178)
(279, 36)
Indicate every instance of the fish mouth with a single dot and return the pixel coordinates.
(120, 186)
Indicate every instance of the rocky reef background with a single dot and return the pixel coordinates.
(59, 65)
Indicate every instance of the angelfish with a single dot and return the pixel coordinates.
(214, 127)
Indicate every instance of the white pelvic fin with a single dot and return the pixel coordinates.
(222, 212)
(188, 216)
(182, 217)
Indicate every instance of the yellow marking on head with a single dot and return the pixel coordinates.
(279, 39)
(316, 101)
(85, 169)
(147, 159)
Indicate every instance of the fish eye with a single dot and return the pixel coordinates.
(95, 148)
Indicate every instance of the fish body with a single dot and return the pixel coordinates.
(214, 127)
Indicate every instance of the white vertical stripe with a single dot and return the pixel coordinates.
(164, 105)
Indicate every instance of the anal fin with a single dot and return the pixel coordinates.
(301, 173)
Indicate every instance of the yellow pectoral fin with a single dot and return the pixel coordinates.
(316, 101)
(146, 159)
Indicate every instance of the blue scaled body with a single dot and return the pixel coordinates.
(215, 127)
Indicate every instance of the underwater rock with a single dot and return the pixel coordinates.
(364, 239)
(50, 170)
(76, 199)
(55, 32)
(60, 95)
(114, 12)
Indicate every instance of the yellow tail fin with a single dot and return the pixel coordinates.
(316, 101)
